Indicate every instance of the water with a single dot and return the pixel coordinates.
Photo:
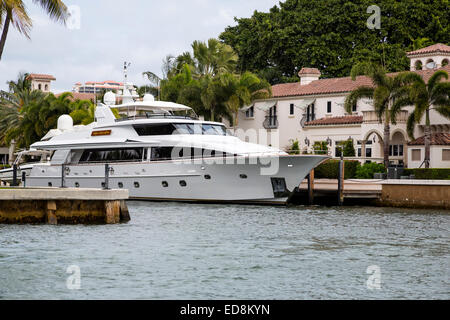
(184, 251)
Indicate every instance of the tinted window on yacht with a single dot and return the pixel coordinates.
(154, 129)
(112, 155)
(160, 129)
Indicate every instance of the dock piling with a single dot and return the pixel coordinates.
(24, 179)
(311, 187)
(14, 182)
(63, 176)
(341, 182)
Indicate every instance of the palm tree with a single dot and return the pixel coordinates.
(424, 96)
(213, 57)
(12, 106)
(14, 12)
(243, 90)
(154, 80)
(389, 93)
(83, 112)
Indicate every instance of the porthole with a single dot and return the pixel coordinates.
(77, 185)
(136, 185)
(120, 184)
(243, 176)
(50, 184)
(165, 184)
(103, 184)
(183, 183)
(207, 177)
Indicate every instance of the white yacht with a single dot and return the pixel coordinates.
(161, 151)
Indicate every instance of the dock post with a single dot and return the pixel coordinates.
(14, 182)
(112, 212)
(24, 179)
(63, 176)
(106, 177)
(311, 187)
(51, 213)
(341, 182)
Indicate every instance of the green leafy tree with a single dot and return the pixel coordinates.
(14, 12)
(333, 35)
(425, 96)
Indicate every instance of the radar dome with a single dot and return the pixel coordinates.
(109, 98)
(149, 98)
(65, 122)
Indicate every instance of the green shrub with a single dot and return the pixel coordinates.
(294, 148)
(349, 148)
(429, 174)
(367, 170)
(4, 166)
(330, 169)
(320, 147)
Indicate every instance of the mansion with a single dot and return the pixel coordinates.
(312, 110)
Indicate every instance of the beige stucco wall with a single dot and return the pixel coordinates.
(435, 157)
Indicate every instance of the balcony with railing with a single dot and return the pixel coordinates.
(371, 117)
(271, 122)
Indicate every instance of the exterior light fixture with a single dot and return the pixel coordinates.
(307, 142)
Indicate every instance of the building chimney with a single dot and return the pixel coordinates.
(308, 75)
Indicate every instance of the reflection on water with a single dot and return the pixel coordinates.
(188, 251)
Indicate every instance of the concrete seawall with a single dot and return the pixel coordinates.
(63, 206)
(416, 193)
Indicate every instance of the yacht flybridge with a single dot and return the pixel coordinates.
(162, 151)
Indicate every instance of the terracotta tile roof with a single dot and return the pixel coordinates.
(37, 76)
(309, 71)
(438, 47)
(81, 96)
(437, 139)
(335, 85)
(335, 121)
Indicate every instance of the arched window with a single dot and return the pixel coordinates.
(430, 64)
(46, 87)
(444, 62)
(418, 65)
(39, 86)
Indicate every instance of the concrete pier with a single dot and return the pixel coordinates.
(63, 206)
(395, 193)
(416, 193)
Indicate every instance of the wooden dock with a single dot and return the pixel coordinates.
(63, 206)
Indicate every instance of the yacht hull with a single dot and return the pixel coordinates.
(267, 180)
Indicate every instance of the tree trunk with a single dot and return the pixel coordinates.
(212, 113)
(427, 139)
(5, 32)
(386, 142)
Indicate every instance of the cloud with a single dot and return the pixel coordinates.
(142, 32)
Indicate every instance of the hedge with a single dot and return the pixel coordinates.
(4, 166)
(330, 169)
(428, 174)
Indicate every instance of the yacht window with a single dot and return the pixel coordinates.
(106, 155)
(184, 128)
(210, 129)
(160, 129)
(155, 129)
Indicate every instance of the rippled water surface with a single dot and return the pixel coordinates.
(187, 251)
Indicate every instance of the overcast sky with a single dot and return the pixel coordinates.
(142, 32)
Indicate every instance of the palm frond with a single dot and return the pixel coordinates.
(352, 99)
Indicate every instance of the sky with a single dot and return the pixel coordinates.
(107, 33)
